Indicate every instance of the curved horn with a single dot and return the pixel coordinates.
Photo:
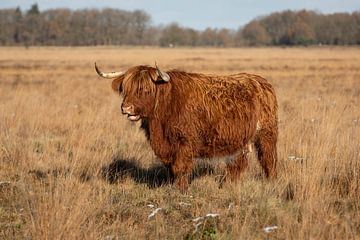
(163, 75)
(108, 74)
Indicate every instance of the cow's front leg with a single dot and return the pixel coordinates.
(168, 166)
(182, 169)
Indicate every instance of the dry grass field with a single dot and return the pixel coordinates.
(72, 167)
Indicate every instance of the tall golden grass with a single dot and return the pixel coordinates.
(72, 167)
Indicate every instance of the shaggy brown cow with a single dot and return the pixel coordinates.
(190, 115)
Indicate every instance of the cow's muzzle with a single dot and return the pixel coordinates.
(129, 110)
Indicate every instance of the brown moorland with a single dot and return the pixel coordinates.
(73, 167)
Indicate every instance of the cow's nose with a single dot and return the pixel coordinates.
(127, 109)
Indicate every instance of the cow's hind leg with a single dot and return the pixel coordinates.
(265, 144)
(236, 167)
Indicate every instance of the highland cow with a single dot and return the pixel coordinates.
(192, 115)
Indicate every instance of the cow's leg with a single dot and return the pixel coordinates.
(170, 172)
(236, 167)
(181, 169)
(265, 144)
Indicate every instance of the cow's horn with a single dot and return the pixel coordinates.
(107, 75)
(163, 75)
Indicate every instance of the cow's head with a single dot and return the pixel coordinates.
(138, 85)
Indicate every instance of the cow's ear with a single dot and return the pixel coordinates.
(116, 84)
(161, 75)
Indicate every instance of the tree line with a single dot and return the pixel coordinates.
(88, 27)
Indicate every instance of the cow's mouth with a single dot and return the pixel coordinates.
(133, 117)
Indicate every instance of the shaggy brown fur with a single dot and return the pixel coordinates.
(197, 115)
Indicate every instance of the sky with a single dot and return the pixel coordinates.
(197, 14)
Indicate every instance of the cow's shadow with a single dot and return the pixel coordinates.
(155, 176)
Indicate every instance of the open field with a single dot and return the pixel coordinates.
(72, 167)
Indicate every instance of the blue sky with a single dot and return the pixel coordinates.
(197, 14)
